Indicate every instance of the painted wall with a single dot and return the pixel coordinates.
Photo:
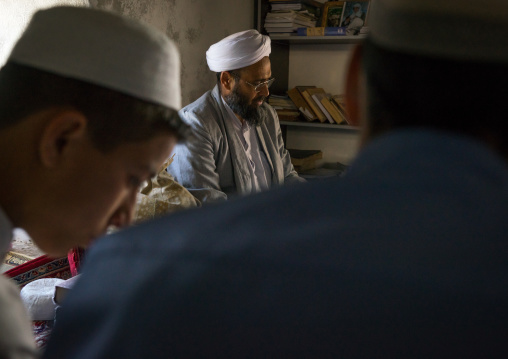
(15, 15)
(194, 25)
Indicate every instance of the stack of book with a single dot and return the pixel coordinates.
(285, 108)
(313, 6)
(315, 104)
(285, 5)
(287, 21)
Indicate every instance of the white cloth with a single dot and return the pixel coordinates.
(37, 297)
(238, 51)
(16, 338)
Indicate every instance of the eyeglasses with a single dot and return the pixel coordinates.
(259, 86)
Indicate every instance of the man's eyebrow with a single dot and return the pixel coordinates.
(263, 79)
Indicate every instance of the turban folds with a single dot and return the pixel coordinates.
(238, 50)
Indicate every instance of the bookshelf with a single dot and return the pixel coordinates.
(313, 60)
(294, 39)
(330, 126)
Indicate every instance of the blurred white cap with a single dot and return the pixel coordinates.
(104, 49)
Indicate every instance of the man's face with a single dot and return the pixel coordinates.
(94, 191)
(243, 99)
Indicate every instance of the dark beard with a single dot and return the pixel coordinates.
(240, 105)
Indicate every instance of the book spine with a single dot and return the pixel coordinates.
(321, 31)
(331, 110)
(322, 108)
(301, 104)
(314, 106)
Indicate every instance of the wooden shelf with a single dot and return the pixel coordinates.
(295, 39)
(320, 125)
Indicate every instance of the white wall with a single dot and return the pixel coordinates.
(15, 15)
(194, 25)
(322, 65)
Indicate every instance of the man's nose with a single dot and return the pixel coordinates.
(264, 90)
(124, 215)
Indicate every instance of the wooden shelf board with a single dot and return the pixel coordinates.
(321, 125)
(295, 39)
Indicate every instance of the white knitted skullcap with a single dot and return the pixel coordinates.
(454, 29)
(238, 50)
(104, 49)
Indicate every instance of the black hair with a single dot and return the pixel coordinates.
(113, 117)
(406, 90)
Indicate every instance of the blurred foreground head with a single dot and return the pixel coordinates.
(433, 64)
(88, 111)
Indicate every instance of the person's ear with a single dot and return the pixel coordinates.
(354, 87)
(60, 131)
(227, 80)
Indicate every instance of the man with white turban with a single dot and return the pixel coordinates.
(238, 146)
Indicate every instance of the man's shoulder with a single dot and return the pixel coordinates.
(204, 109)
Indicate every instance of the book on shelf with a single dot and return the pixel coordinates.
(278, 101)
(295, 23)
(340, 102)
(328, 108)
(317, 97)
(302, 105)
(285, 5)
(332, 110)
(308, 97)
(287, 21)
(321, 31)
(288, 115)
(280, 30)
(304, 160)
(296, 17)
(309, 5)
(285, 108)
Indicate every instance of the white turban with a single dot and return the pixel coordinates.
(237, 51)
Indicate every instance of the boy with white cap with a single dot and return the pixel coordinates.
(406, 256)
(238, 146)
(88, 111)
